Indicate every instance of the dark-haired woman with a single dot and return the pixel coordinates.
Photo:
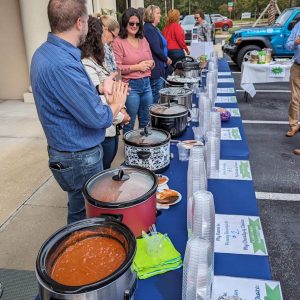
(93, 57)
(134, 59)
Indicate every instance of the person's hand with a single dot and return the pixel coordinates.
(144, 66)
(169, 61)
(108, 83)
(126, 118)
(187, 52)
(118, 96)
(297, 41)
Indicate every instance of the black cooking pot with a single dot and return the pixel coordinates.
(187, 63)
(115, 286)
(171, 117)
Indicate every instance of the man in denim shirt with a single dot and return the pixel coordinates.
(68, 105)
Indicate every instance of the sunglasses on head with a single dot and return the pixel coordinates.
(134, 23)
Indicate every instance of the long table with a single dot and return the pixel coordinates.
(231, 197)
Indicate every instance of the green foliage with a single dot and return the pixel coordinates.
(162, 23)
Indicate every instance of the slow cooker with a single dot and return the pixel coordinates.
(59, 279)
(126, 193)
(148, 148)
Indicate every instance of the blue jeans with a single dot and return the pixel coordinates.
(176, 55)
(156, 85)
(71, 170)
(138, 102)
(110, 148)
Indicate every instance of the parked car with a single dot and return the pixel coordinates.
(188, 23)
(245, 40)
(221, 22)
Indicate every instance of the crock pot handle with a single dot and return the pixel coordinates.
(113, 217)
(143, 154)
(188, 58)
(129, 293)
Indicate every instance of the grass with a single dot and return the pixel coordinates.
(249, 20)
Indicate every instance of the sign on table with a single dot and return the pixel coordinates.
(233, 170)
(276, 71)
(239, 235)
(231, 134)
(224, 73)
(225, 90)
(246, 288)
(226, 99)
(235, 112)
(225, 80)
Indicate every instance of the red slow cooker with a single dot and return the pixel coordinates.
(127, 193)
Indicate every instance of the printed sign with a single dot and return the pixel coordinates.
(246, 288)
(225, 80)
(225, 90)
(231, 134)
(276, 71)
(246, 15)
(233, 170)
(226, 99)
(235, 112)
(224, 73)
(239, 235)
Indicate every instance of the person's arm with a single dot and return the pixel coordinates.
(179, 36)
(154, 41)
(293, 40)
(119, 55)
(71, 86)
(96, 73)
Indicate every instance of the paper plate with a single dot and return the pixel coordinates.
(162, 179)
(169, 204)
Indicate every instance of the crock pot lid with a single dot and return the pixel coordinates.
(168, 110)
(176, 91)
(188, 65)
(146, 136)
(120, 185)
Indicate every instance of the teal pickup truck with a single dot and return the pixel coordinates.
(244, 40)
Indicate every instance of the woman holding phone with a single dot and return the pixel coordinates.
(134, 59)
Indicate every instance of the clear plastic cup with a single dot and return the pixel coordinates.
(183, 152)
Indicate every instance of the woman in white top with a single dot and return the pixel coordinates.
(98, 64)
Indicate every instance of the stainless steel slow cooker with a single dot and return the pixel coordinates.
(187, 67)
(127, 193)
(179, 95)
(171, 117)
(148, 148)
(119, 285)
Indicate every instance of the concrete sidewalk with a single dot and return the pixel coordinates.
(32, 204)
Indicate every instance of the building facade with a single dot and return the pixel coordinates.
(23, 28)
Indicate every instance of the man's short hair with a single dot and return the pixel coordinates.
(200, 13)
(63, 14)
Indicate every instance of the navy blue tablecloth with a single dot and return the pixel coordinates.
(230, 196)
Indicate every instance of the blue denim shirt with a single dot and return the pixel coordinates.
(68, 105)
(291, 40)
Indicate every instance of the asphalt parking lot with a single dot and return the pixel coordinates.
(276, 174)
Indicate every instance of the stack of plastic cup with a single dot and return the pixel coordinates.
(213, 153)
(203, 216)
(204, 112)
(196, 179)
(196, 269)
(215, 123)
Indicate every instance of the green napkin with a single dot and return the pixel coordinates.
(166, 258)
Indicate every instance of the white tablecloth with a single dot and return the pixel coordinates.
(263, 73)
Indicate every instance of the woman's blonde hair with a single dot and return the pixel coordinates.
(149, 13)
(173, 16)
(109, 21)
